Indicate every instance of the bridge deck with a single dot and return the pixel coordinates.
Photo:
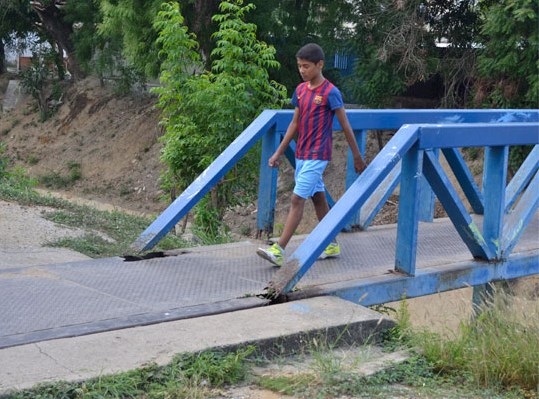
(61, 300)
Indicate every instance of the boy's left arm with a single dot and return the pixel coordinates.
(359, 163)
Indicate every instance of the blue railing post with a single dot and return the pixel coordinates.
(523, 176)
(427, 197)
(494, 180)
(465, 179)
(267, 187)
(411, 175)
(351, 175)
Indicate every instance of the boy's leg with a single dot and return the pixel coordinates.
(322, 208)
(276, 254)
(320, 203)
(292, 220)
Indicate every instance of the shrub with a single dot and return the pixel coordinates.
(203, 112)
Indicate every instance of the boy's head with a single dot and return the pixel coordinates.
(311, 52)
(310, 60)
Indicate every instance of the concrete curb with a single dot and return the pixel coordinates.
(277, 329)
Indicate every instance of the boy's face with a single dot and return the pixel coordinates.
(309, 70)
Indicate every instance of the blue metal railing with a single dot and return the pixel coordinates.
(410, 158)
(414, 146)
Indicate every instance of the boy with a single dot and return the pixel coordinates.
(316, 101)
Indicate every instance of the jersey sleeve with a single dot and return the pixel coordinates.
(335, 100)
(294, 99)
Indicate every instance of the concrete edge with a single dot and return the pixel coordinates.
(131, 321)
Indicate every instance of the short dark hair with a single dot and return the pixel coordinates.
(311, 52)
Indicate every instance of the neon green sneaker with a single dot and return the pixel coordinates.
(333, 250)
(274, 254)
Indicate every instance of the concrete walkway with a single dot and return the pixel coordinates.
(272, 329)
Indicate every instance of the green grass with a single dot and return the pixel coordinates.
(62, 181)
(188, 376)
(498, 348)
(121, 229)
(414, 378)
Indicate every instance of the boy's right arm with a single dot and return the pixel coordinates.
(275, 159)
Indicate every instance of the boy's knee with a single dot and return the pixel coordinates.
(319, 198)
(297, 200)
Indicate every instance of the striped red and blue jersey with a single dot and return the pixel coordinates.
(315, 126)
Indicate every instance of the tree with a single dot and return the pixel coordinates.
(83, 16)
(203, 111)
(131, 21)
(290, 24)
(16, 22)
(508, 67)
(198, 17)
(396, 45)
(52, 16)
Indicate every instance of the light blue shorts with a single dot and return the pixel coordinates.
(308, 177)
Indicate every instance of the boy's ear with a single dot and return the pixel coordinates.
(320, 64)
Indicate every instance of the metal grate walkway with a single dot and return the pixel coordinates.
(70, 299)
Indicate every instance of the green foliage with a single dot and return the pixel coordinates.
(60, 181)
(84, 16)
(17, 21)
(12, 179)
(207, 225)
(131, 21)
(204, 111)
(214, 368)
(128, 78)
(289, 24)
(395, 48)
(4, 161)
(36, 78)
(508, 63)
(386, 45)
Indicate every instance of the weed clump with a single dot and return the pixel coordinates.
(498, 347)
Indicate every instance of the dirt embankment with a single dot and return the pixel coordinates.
(111, 142)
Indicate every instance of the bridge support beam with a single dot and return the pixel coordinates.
(494, 180)
(391, 287)
(411, 176)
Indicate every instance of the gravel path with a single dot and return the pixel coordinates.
(24, 233)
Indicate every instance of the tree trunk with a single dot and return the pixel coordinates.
(2, 58)
(200, 22)
(60, 32)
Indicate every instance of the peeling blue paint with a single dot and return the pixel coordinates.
(300, 308)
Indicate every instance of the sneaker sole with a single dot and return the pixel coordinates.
(324, 256)
(260, 252)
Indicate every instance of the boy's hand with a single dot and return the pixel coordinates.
(274, 161)
(359, 164)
